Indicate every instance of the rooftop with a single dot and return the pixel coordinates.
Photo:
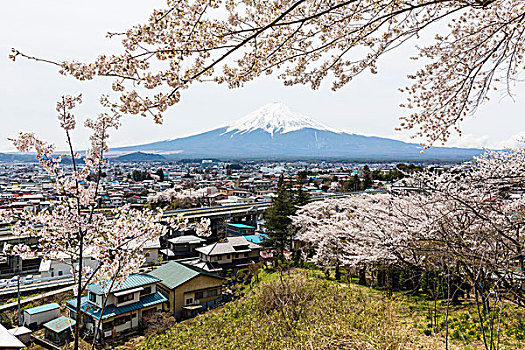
(257, 239)
(9, 341)
(230, 245)
(20, 330)
(186, 239)
(241, 226)
(112, 310)
(133, 281)
(174, 274)
(42, 308)
(60, 324)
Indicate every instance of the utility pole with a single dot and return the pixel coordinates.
(18, 287)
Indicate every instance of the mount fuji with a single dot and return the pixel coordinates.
(275, 132)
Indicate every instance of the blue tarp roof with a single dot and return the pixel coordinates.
(257, 239)
(42, 308)
(241, 226)
(111, 310)
(60, 324)
(133, 281)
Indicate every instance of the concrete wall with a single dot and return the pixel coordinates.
(152, 256)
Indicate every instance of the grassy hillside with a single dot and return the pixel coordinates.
(306, 311)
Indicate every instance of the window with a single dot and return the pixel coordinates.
(213, 292)
(124, 298)
(228, 256)
(92, 297)
(107, 325)
(199, 295)
(122, 320)
(218, 258)
(60, 273)
(133, 315)
(189, 301)
(145, 291)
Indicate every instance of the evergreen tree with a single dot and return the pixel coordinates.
(277, 217)
(160, 174)
(367, 177)
(302, 197)
(302, 176)
(354, 184)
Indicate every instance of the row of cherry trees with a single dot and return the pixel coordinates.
(461, 225)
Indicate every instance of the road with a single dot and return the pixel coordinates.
(36, 286)
(33, 298)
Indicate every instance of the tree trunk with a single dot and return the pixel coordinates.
(362, 276)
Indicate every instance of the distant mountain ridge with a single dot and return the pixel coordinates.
(17, 157)
(139, 157)
(275, 132)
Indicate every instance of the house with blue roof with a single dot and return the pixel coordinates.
(257, 238)
(239, 229)
(120, 309)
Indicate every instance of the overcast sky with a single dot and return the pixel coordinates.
(68, 30)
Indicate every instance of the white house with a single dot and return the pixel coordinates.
(231, 252)
(62, 266)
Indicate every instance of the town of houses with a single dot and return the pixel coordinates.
(183, 274)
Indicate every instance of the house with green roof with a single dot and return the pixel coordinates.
(119, 308)
(188, 289)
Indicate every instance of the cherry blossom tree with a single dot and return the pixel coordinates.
(74, 226)
(465, 223)
(173, 193)
(309, 41)
(202, 227)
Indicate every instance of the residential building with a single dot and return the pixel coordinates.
(187, 288)
(182, 247)
(63, 266)
(124, 306)
(239, 229)
(231, 252)
(151, 250)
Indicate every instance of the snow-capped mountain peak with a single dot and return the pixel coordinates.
(275, 118)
